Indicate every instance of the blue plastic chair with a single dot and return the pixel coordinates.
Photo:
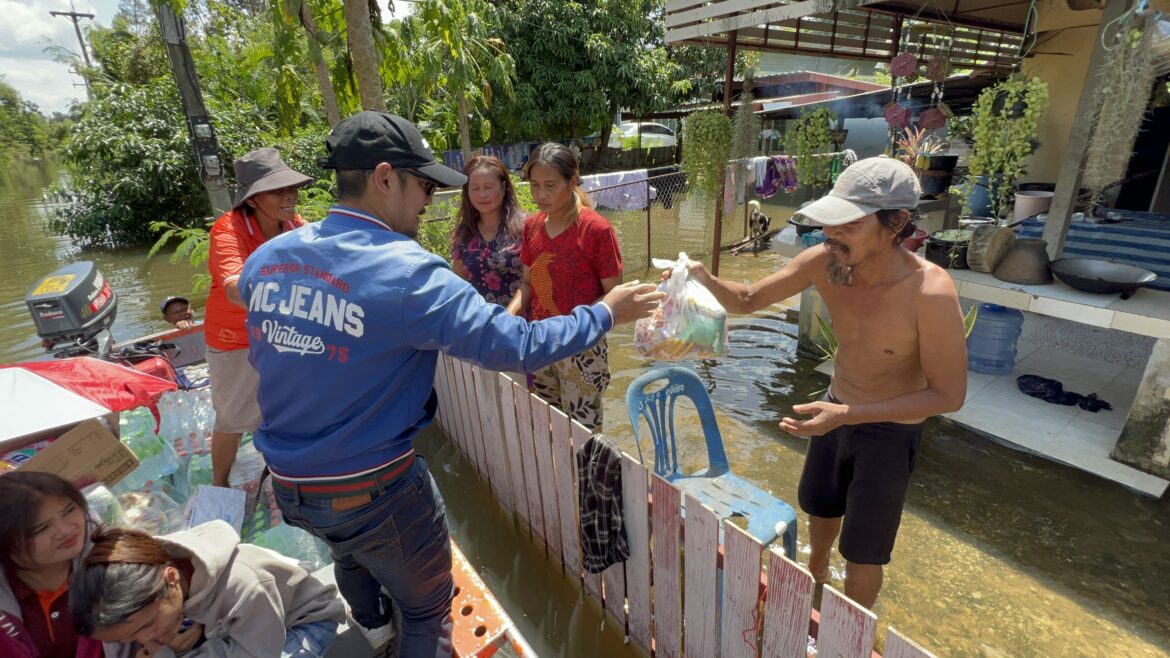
(716, 487)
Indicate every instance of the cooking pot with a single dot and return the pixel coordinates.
(802, 228)
(1100, 275)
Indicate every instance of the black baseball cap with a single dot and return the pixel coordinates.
(174, 298)
(367, 139)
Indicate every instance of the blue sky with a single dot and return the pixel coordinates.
(26, 28)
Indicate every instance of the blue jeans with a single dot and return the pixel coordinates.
(309, 640)
(397, 541)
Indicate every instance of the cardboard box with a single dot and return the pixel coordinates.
(85, 454)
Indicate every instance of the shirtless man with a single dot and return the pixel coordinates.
(901, 358)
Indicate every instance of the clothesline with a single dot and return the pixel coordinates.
(774, 173)
(620, 190)
(785, 155)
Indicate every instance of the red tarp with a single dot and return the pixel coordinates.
(114, 386)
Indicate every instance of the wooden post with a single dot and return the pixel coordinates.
(649, 203)
(1161, 200)
(728, 79)
(1068, 182)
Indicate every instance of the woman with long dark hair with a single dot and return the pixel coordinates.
(485, 248)
(44, 533)
(571, 257)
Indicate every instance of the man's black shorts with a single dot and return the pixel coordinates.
(861, 472)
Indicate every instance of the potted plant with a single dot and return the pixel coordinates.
(926, 154)
(706, 149)
(1003, 125)
(949, 248)
(814, 136)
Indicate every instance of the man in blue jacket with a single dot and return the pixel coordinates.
(346, 318)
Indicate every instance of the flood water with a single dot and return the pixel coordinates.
(999, 554)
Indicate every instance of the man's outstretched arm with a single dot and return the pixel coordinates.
(744, 298)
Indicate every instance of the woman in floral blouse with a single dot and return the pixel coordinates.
(485, 249)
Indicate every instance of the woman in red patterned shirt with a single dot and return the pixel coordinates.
(571, 257)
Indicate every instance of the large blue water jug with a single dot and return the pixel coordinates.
(991, 347)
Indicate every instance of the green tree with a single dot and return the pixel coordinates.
(366, 58)
(130, 165)
(460, 42)
(24, 133)
(579, 63)
(415, 82)
(316, 40)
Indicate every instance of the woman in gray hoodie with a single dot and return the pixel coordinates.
(201, 593)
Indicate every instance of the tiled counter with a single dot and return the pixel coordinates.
(1146, 313)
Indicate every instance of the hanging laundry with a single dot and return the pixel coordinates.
(771, 182)
(603, 533)
(619, 190)
(786, 172)
(638, 193)
(729, 186)
(759, 166)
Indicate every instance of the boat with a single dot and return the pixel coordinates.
(74, 309)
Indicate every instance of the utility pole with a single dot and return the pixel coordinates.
(211, 168)
(76, 17)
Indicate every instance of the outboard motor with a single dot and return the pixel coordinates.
(73, 309)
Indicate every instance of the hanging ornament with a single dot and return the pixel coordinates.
(904, 65)
(896, 114)
(946, 111)
(932, 119)
(938, 68)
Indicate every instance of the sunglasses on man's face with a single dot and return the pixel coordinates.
(427, 186)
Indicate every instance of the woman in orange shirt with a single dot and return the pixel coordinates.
(265, 207)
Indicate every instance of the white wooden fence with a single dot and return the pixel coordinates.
(666, 595)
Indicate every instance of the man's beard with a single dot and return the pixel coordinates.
(839, 273)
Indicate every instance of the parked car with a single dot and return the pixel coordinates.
(653, 134)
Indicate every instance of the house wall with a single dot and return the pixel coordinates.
(1063, 62)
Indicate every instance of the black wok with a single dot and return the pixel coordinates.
(1100, 275)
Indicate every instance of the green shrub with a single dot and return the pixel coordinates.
(130, 164)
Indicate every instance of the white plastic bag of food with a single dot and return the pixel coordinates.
(689, 324)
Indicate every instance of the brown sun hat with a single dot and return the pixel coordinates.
(262, 170)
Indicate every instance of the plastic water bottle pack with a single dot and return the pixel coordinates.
(187, 420)
(156, 458)
(311, 552)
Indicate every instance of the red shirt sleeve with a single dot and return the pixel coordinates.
(228, 251)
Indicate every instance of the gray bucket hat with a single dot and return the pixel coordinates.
(262, 170)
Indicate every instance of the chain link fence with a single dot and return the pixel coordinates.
(675, 219)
